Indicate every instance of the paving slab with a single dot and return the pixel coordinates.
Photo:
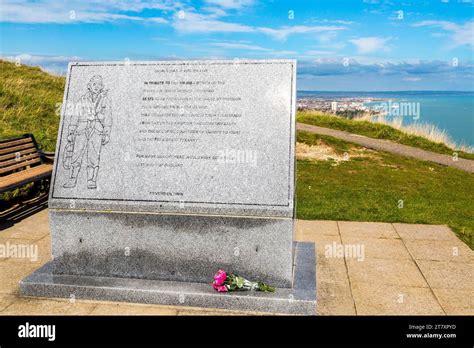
(440, 250)
(335, 298)
(329, 248)
(334, 290)
(386, 272)
(217, 312)
(27, 306)
(17, 244)
(6, 300)
(11, 273)
(448, 275)
(331, 269)
(456, 301)
(36, 252)
(312, 228)
(378, 299)
(33, 227)
(366, 229)
(380, 248)
(425, 232)
(132, 309)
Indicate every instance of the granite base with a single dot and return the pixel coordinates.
(300, 299)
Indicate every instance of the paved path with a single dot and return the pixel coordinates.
(405, 269)
(390, 269)
(389, 146)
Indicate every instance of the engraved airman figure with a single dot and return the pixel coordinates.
(88, 130)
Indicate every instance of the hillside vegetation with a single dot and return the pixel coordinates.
(378, 186)
(29, 98)
(377, 131)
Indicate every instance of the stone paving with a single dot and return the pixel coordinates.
(363, 268)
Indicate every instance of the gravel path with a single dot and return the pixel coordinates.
(389, 146)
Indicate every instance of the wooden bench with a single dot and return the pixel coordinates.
(22, 162)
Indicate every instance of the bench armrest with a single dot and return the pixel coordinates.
(47, 157)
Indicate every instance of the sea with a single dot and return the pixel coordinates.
(449, 111)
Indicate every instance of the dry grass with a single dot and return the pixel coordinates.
(321, 151)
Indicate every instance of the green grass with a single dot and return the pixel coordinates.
(376, 130)
(29, 99)
(369, 189)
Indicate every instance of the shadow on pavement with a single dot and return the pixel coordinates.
(21, 210)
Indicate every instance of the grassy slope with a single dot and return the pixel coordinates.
(28, 102)
(378, 131)
(369, 189)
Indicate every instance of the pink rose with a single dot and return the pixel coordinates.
(222, 288)
(220, 277)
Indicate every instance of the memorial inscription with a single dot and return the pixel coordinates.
(167, 171)
(216, 134)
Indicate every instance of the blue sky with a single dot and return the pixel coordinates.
(340, 45)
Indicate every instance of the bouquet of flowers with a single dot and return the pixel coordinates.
(224, 282)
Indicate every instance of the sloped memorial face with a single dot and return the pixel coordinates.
(168, 171)
(186, 137)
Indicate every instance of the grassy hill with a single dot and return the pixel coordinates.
(377, 131)
(368, 187)
(29, 98)
(379, 186)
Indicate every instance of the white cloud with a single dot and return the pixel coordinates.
(283, 32)
(329, 21)
(370, 44)
(252, 48)
(460, 34)
(66, 12)
(214, 11)
(318, 53)
(412, 79)
(240, 46)
(194, 22)
(230, 4)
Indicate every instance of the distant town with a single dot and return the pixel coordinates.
(349, 107)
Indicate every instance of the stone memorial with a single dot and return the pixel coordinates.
(168, 171)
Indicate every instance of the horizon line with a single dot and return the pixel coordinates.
(388, 91)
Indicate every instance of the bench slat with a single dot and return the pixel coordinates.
(9, 143)
(16, 148)
(21, 159)
(20, 165)
(25, 176)
(22, 153)
(16, 175)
